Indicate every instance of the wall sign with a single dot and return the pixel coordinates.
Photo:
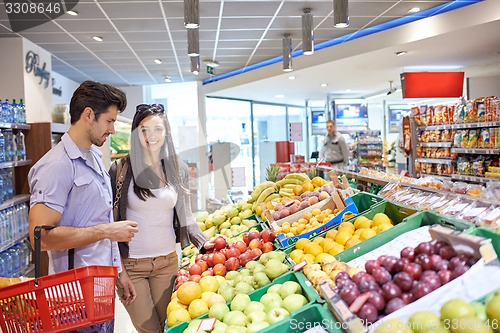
(56, 91)
(32, 65)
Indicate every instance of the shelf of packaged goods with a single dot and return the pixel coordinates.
(371, 143)
(435, 144)
(15, 126)
(434, 160)
(434, 127)
(6, 165)
(13, 242)
(476, 125)
(59, 128)
(440, 177)
(14, 201)
(482, 151)
(473, 178)
(368, 156)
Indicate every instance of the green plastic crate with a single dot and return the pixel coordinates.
(488, 233)
(306, 318)
(307, 290)
(365, 201)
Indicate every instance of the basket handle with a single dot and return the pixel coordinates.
(38, 248)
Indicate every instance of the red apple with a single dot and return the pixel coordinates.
(198, 257)
(219, 258)
(241, 246)
(182, 272)
(256, 252)
(253, 235)
(232, 264)
(245, 238)
(245, 257)
(233, 252)
(181, 279)
(268, 235)
(255, 244)
(210, 260)
(195, 278)
(223, 251)
(195, 269)
(220, 269)
(204, 257)
(208, 272)
(267, 247)
(220, 243)
(203, 264)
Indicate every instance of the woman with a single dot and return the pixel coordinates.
(155, 193)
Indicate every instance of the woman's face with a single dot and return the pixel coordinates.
(152, 133)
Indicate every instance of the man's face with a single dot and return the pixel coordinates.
(330, 127)
(101, 128)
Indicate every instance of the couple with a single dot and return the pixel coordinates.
(71, 189)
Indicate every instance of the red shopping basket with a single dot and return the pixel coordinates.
(60, 302)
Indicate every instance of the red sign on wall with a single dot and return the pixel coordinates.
(432, 84)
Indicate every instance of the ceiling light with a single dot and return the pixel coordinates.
(72, 12)
(195, 65)
(191, 14)
(211, 63)
(97, 38)
(167, 79)
(279, 96)
(340, 13)
(400, 53)
(287, 53)
(323, 85)
(291, 77)
(307, 32)
(158, 61)
(193, 42)
(413, 10)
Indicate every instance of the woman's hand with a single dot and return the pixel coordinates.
(127, 293)
(211, 244)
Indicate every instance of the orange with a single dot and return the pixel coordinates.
(286, 228)
(358, 232)
(380, 218)
(294, 231)
(332, 233)
(188, 292)
(318, 181)
(178, 316)
(295, 224)
(307, 186)
(173, 305)
(296, 255)
(313, 249)
(319, 257)
(301, 228)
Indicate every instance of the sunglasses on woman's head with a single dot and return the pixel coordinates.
(155, 108)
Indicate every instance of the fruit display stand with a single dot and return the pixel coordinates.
(307, 291)
(365, 201)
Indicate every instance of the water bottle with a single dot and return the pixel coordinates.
(8, 111)
(10, 181)
(3, 269)
(14, 111)
(2, 148)
(4, 111)
(22, 112)
(3, 230)
(20, 146)
(27, 252)
(8, 263)
(16, 270)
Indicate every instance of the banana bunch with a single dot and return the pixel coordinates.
(287, 184)
(263, 192)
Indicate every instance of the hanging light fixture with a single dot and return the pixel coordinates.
(191, 14)
(195, 65)
(287, 53)
(340, 13)
(307, 32)
(193, 42)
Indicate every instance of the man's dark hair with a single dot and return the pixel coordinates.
(97, 96)
(330, 122)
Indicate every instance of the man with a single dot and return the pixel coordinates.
(70, 188)
(334, 148)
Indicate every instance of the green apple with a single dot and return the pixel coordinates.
(276, 314)
(252, 307)
(235, 220)
(394, 325)
(493, 309)
(236, 318)
(257, 316)
(202, 216)
(455, 309)
(470, 325)
(219, 327)
(228, 293)
(260, 279)
(240, 302)
(270, 297)
(218, 310)
(293, 302)
(231, 275)
(275, 288)
(236, 329)
(257, 326)
(480, 310)
(290, 288)
(273, 268)
(202, 226)
(243, 288)
(225, 225)
(245, 271)
(423, 320)
(250, 265)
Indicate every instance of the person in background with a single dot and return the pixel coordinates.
(70, 188)
(155, 192)
(334, 148)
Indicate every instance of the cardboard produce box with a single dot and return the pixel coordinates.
(347, 209)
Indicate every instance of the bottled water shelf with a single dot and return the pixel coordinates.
(6, 165)
(13, 242)
(14, 201)
(15, 126)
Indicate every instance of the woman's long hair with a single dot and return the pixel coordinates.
(145, 178)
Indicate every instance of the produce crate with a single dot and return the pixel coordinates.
(488, 233)
(365, 201)
(307, 290)
(306, 318)
(258, 226)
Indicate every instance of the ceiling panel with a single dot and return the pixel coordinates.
(84, 37)
(140, 25)
(370, 9)
(401, 9)
(319, 9)
(86, 11)
(156, 45)
(46, 27)
(245, 23)
(94, 26)
(239, 34)
(49, 38)
(251, 9)
(131, 10)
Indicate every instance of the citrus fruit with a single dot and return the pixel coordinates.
(367, 233)
(351, 242)
(309, 258)
(209, 283)
(174, 305)
(316, 211)
(318, 240)
(178, 316)
(380, 218)
(197, 308)
(347, 227)
(332, 234)
(313, 249)
(336, 249)
(188, 291)
(308, 215)
(359, 220)
(342, 237)
(384, 227)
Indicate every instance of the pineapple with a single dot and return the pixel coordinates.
(272, 173)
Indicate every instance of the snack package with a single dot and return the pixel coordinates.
(473, 137)
(475, 190)
(480, 109)
(497, 137)
(478, 168)
(455, 208)
(420, 152)
(429, 115)
(475, 210)
(438, 114)
(460, 187)
(389, 189)
(493, 142)
(457, 139)
(442, 204)
(445, 135)
(470, 112)
(448, 169)
(418, 167)
(490, 218)
(439, 169)
(484, 138)
(448, 113)
(415, 113)
(464, 166)
(459, 114)
(464, 142)
(423, 115)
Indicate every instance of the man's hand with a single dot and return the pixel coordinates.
(122, 231)
(126, 288)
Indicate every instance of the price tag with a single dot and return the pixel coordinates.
(359, 302)
(207, 324)
(299, 266)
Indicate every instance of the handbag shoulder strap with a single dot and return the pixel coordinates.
(121, 172)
